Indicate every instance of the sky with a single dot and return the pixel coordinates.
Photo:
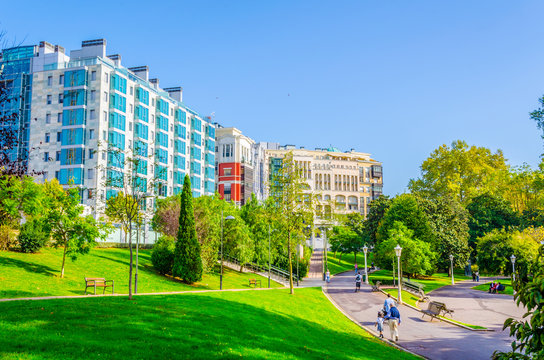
(395, 79)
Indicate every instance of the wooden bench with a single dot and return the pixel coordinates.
(444, 309)
(254, 282)
(433, 310)
(376, 286)
(98, 283)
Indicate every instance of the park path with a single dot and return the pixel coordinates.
(316, 264)
(433, 340)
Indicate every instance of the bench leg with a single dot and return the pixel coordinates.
(95, 289)
(112, 288)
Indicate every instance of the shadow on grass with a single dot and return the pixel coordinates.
(186, 326)
(28, 266)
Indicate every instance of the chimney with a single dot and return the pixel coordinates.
(141, 71)
(155, 82)
(90, 49)
(175, 93)
(116, 59)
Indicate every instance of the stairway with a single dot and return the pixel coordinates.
(316, 265)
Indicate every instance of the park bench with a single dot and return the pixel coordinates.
(433, 310)
(416, 289)
(98, 283)
(444, 309)
(376, 286)
(254, 282)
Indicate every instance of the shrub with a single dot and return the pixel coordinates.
(162, 255)
(8, 237)
(32, 236)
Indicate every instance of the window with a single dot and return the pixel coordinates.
(61, 98)
(93, 75)
(49, 81)
(105, 96)
(93, 114)
(59, 136)
(46, 156)
(91, 154)
(57, 174)
(130, 107)
(103, 155)
(130, 126)
(91, 134)
(61, 79)
(48, 118)
(59, 117)
(228, 172)
(104, 135)
(49, 99)
(93, 95)
(105, 116)
(47, 137)
(90, 173)
(57, 156)
(131, 90)
(44, 175)
(106, 78)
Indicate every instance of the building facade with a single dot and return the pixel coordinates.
(94, 121)
(341, 181)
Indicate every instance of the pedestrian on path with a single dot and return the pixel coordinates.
(477, 276)
(356, 268)
(388, 303)
(379, 323)
(358, 278)
(393, 317)
(328, 276)
(473, 276)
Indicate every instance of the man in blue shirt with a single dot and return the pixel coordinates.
(394, 321)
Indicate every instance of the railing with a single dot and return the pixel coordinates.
(275, 272)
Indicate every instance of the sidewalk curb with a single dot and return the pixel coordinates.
(324, 290)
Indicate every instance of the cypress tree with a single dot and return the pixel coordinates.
(187, 261)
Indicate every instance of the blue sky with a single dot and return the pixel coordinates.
(393, 78)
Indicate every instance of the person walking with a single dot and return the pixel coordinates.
(379, 323)
(388, 303)
(393, 317)
(474, 277)
(328, 276)
(356, 268)
(358, 279)
(478, 276)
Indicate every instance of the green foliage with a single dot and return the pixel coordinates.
(345, 240)
(69, 229)
(487, 213)
(19, 196)
(460, 172)
(162, 255)
(496, 247)
(32, 236)
(405, 208)
(166, 217)
(529, 331)
(378, 208)
(187, 261)
(538, 116)
(417, 258)
(258, 219)
(449, 223)
(238, 241)
(8, 237)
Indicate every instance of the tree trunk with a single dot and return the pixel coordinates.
(130, 269)
(63, 259)
(291, 290)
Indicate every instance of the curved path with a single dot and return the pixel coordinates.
(437, 339)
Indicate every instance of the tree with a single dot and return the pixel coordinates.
(488, 212)
(293, 206)
(538, 116)
(460, 172)
(449, 224)
(75, 233)
(187, 261)
(125, 209)
(19, 196)
(166, 217)
(257, 218)
(378, 208)
(237, 241)
(417, 257)
(345, 240)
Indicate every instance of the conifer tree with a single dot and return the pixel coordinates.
(187, 261)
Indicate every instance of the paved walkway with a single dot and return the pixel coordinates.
(434, 340)
(316, 264)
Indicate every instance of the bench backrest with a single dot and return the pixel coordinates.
(95, 280)
(434, 307)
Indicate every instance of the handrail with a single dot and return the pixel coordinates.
(278, 272)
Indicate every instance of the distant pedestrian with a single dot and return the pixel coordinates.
(358, 278)
(477, 276)
(328, 276)
(356, 268)
(394, 321)
(388, 303)
(372, 266)
(379, 323)
(473, 276)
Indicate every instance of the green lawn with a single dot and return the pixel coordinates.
(26, 275)
(346, 262)
(431, 283)
(245, 324)
(506, 282)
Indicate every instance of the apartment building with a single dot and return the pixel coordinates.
(342, 181)
(87, 107)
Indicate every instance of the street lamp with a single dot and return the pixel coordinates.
(269, 257)
(451, 260)
(365, 249)
(398, 251)
(513, 259)
(230, 217)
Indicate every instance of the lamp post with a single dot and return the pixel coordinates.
(513, 259)
(269, 257)
(230, 217)
(451, 260)
(398, 251)
(365, 249)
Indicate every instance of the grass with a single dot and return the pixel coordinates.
(346, 262)
(476, 327)
(30, 275)
(506, 282)
(431, 283)
(245, 324)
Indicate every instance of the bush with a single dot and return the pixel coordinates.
(32, 236)
(8, 237)
(162, 255)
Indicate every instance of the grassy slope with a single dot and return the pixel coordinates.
(507, 282)
(25, 275)
(346, 262)
(246, 324)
